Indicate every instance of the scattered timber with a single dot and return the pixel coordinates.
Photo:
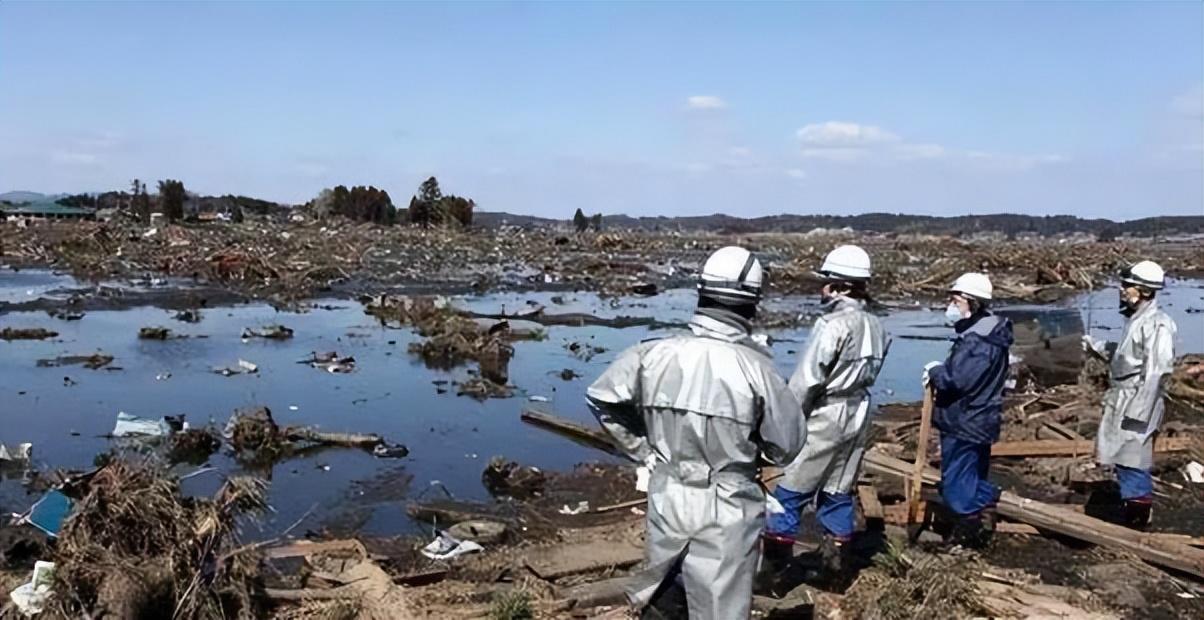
(1168, 554)
(592, 437)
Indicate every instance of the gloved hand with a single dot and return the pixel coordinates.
(928, 368)
(1093, 344)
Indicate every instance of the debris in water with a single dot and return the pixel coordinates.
(91, 362)
(65, 315)
(188, 316)
(509, 479)
(481, 388)
(581, 507)
(22, 452)
(271, 332)
(35, 333)
(133, 426)
(330, 362)
(244, 368)
(154, 333)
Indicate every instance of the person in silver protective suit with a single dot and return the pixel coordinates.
(1133, 403)
(700, 409)
(844, 353)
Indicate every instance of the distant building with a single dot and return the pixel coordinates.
(46, 211)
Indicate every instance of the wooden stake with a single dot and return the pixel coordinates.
(917, 476)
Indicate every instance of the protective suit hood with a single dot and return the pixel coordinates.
(991, 329)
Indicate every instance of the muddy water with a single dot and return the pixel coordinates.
(391, 393)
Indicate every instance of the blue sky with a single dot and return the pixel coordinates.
(1092, 109)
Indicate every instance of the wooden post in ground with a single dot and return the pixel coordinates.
(916, 483)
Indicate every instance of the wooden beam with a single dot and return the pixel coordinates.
(1073, 447)
(917, 474)
(1044, 516)
(592, 437)
(871, 507)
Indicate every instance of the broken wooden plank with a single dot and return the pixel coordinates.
(1044, 516)
(551, 563)
(611, 591)
(592, 437)
(1072, 447)
(921, 462)
(1063, 431)
(447, 513)
(871, 507)
(306, 548)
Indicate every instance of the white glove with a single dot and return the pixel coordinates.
(928, 368)
(1093, 344)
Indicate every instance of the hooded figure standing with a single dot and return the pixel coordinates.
(968, 401)
(700, 409)
(844, 353)
(1133, 404)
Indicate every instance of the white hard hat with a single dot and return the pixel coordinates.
(732, 274)
(973, 284)
(847, 262)
(1147, 273)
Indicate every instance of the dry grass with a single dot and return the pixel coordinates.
(135, 548)
(913, 585)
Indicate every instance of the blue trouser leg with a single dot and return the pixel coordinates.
(784, 525)
(964, 470)
(834, 512)
(1134, 483)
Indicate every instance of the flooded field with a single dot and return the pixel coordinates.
(67, 411)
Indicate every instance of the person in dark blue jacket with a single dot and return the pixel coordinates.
(968, 399)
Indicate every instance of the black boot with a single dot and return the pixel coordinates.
(777, 553)
(968, 533)
(836, 552)
(1137, 513)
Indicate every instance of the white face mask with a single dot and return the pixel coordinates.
(953, 314)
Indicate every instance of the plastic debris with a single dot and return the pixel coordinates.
(538, 399)
(244, 368)
(22, 452)
(582, 506)
(446, 547)
(330, 362)
(1194, 472)
(49, 512)
(133, 426)
(29, 598)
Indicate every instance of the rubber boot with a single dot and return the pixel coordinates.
(1137, 513)
(836, 553)
(968, 533)
(777, 552)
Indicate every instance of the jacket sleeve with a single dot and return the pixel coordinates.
(782, 430)
(1159, 361)
(966, 364)
(614, 401)
(810, 378)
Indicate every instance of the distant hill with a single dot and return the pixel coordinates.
(1004, 223)
(20, 196)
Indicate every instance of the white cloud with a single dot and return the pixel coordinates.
(74, 158)
(842, 135)
(920, 151)
(796, 173)
(705, 102)
(845, 142)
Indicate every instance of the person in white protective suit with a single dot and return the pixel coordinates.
(844, 353)
(700, 409)
(1133, 403)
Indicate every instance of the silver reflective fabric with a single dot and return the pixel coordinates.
(1133, 404)
(701, 408)
(832, 382)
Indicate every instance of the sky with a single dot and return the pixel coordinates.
(669, 108)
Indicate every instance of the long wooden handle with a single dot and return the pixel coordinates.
(916, 483)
